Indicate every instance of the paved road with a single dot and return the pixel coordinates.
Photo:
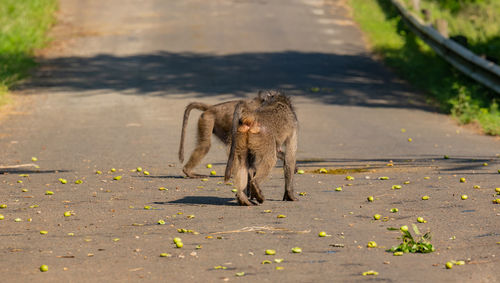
(110, 93)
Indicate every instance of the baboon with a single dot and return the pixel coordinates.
(258, 134)
(216, 119)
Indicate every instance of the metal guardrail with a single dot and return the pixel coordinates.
(479, 69)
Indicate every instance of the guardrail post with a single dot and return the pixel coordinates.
(442, 27)
(416, 5)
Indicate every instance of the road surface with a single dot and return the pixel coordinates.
(110, 93)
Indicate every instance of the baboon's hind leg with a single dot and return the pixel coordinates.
(289, 166)
(205, 129)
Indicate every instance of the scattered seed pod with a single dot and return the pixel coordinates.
(18, 220)
(177, 239)
(117, 178)
(446, 157)
(67, 213)
(3, 206)
(49, 193)
(24, 190)
(323, 170)
(421, 220)
(278, 260)
(406, 182)
(497, 201)
(296, 250)
(138, 169)
(338, 189)
(371, 244)
(370, 198)
(98, 172)
(377, 216)
(383, 178)
(204, 180)
(281, 216)
(266, 262)
(300, 171)
(147, 207)
(165, 255)
(270, 252)
(302, 193)
(63, 181)
(410, 139)
(34, 159)
(464, 197)
(279, 268)
(370, 272)
(396, 187)
(112, 170)
(179, 245)
(209, 165)
(162, 189)
(146, 173)
(322, 234)
(477, 187)
(239, 274)
(394, 210)
(397, 254)
(213, 173)
(44, 268)
(449, 265)
(497, 190)
(425, 197)
(78, 182)
(404, 228)
(2, 217)
(43, 232)
(462, 180)
(161, 222)
(116, 239)
(460, 262)
(234, 190)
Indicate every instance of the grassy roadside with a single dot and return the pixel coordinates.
(416, 62)
(23, 28)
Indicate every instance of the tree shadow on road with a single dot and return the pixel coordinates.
(331, 78)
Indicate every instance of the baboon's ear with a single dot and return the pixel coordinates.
(260, 95)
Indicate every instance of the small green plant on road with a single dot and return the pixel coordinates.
(409, 244)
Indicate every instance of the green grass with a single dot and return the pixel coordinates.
(23, 29)
(410, 57)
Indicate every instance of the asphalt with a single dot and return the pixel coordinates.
(110, 92)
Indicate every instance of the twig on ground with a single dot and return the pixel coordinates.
(260, 228)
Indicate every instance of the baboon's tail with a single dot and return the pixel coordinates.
(189, 107)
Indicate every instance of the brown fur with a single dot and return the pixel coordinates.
(258, 135)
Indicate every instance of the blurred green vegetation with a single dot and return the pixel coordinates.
(415, 61)
(23, 28)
